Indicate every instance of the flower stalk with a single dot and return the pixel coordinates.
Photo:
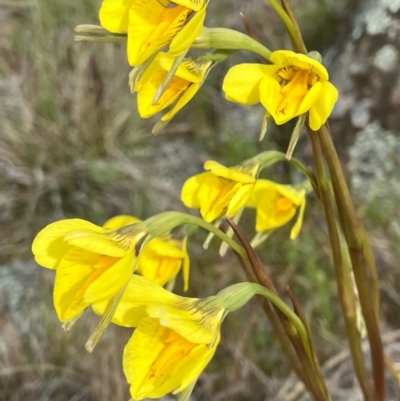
(345, 292)
(357, 246)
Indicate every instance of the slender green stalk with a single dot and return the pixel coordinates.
(345, 291)
(288, 9)
(287, 21)
(165, 222)
(356, 242)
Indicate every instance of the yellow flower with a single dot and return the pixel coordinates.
(276, 205)
(92, 263)
(219, 191)
(175, 338)
(187, 80)
(153, 24)
(161, 259)
(293, 85)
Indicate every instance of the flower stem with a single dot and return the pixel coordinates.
(343, 281)
(358, 249)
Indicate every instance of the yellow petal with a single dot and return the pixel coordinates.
(117, 243)
(271, 97)
(214, 196)
(233, 173)
(49, 245)
(114, 15)
(239, 200)
(112, 280)
(187, 35)
(190, 190)
(160, 261)
(268, 197)
(310, 98)
(323, 107)
(197, 320)
(184, 99)
(138, 294)
(194, 364)
(295, 196)
(147, 92)
(73, 273)
(242, 82)
(195, 5)
(151, 27)
(259, 189)
(120, 221)
(157, 361)
(288, 58)
(299, 222)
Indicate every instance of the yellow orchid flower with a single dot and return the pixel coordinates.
(276, 205)
(153, 24)
(175, 338)
(187, 80)
(219, 191)
(161, 259)
(294, 85)
(92, 263)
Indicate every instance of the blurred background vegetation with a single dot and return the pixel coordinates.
(72, 145)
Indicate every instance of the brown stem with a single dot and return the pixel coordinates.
(275, 322)
(358, 248)
(311, 377)
(345, 291)
(299, 312)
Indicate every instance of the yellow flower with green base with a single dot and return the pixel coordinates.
(185, 83)
(153, 24)
(174, 340)
(176, 337)
(276, 205)
(221, 190)
(294, 85)
(94, 263)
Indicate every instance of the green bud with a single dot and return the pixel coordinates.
(96, 33)
(229, 39)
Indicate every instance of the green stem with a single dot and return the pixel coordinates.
(165, 222)
(343, 283)
(287, 21)
(288, 9)
(237, 295)
(357, 245)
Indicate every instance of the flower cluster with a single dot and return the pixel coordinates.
(125, 270)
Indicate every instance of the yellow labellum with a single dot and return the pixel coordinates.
(276, 205)
(219, 191)
(294, 85)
